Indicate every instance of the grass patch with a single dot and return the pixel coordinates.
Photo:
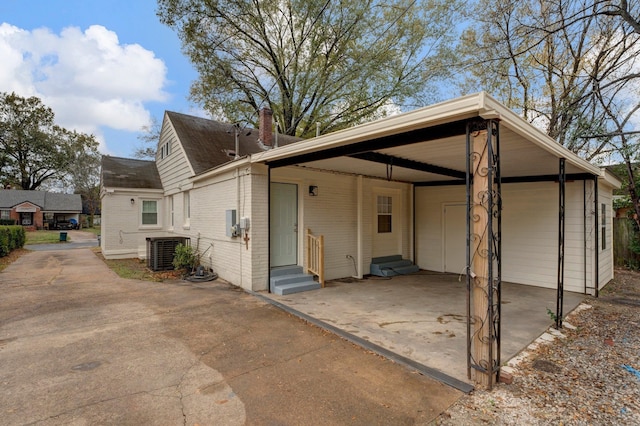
(44, 237)
(136, 269)
(94, 230)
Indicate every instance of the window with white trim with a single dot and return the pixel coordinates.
(5, 214)
(171, 218)
(603, 227)
(384, 214)
(165, 150)
(149, 212)
(187, 208)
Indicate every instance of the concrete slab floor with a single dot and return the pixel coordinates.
(423, 316)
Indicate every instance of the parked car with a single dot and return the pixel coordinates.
(64, 225)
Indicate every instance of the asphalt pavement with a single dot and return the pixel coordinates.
(80, 345)
(74, 239)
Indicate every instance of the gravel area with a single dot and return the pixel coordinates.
(589, 374)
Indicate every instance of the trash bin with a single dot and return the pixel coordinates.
(63, 236)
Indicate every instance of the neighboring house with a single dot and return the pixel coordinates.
(396, 186)
(40, 209)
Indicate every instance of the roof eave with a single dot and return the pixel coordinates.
(234, 164)
(519, 125)
(452, 110)
(476, 105)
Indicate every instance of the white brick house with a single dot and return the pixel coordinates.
(396, 186)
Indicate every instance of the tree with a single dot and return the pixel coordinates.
(311, 61)
(84, 178)
(570, 67)
(149, 136)
(34, 149)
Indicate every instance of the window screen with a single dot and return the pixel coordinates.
(384, 214)
(149, 212)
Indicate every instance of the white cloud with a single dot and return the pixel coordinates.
(88, 78)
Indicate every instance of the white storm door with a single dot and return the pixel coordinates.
(455, 238)
(284, 224)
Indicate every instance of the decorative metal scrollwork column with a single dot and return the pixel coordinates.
(484, 251)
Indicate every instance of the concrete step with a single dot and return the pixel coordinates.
(293, 278)
(395, 264)
(286, 270)
(284, 289)
(408, 269)
(389, 266)
(384, 259)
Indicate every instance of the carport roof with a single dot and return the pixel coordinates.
(428, 145)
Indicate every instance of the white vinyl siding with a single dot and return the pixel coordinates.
(605, 256)
(529, 233)
(334, 214)
(173, 171)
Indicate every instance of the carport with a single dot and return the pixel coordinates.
(472, 147)
(422, 318)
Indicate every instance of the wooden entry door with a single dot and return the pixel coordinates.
(284, 224)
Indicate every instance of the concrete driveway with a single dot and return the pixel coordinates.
(79, 345)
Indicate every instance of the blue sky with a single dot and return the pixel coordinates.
(105, 67)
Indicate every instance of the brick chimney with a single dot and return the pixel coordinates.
(266, 127)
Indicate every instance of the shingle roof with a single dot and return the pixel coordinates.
(129, 173)
(208, 144)
(47, 201)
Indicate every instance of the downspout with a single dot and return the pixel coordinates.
(584, 233)
(359, 231)
(597, 232)
(238, 214)
(413, 212)
(269, 228)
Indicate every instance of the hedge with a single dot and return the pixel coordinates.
(11, 238)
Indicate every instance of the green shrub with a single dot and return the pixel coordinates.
(11, 238)
(184, 257)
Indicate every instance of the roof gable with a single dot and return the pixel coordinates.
(26, 207)
(208, 144)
